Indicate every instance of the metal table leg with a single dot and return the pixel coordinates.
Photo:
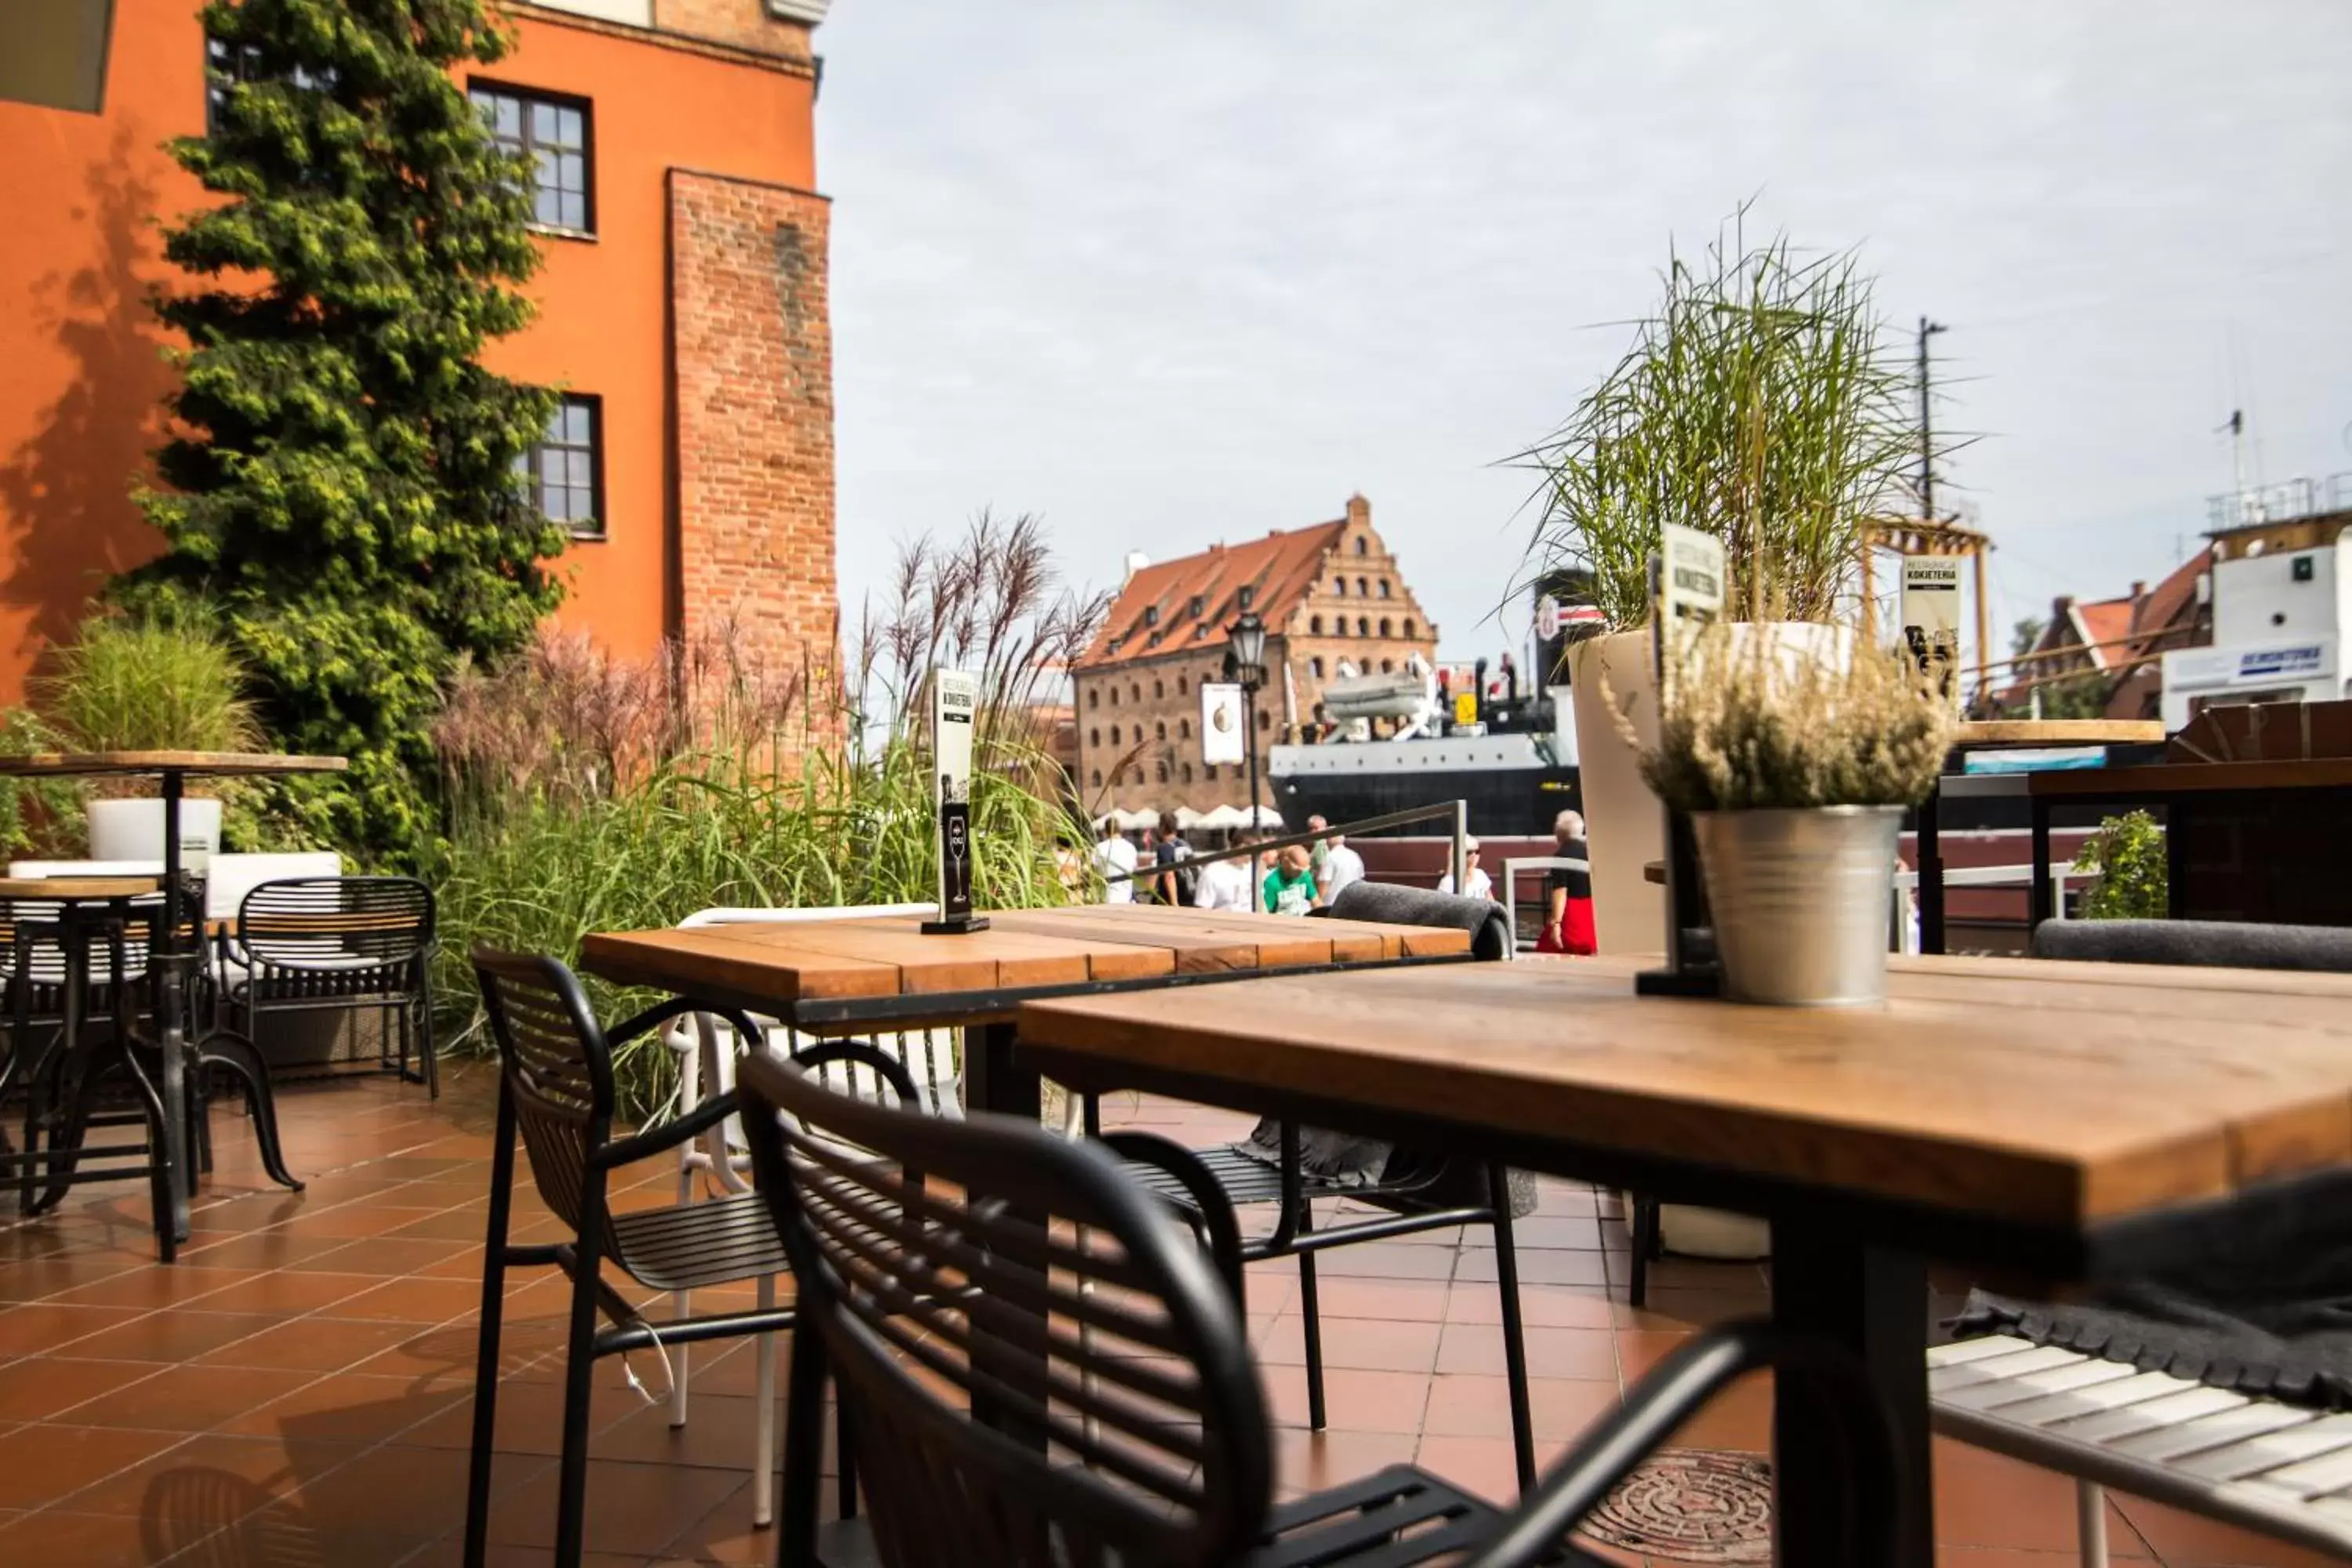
(1931, 877)
(2039, 903)
(995, 1081)
(169, 1031)
(1874, 1301)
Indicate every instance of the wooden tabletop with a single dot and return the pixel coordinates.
(213, 765)
(1987, 732)
(2199, 778)
(2030, 1092)
(63, 888)
(783, 966)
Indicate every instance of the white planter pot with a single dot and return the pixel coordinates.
(133, 829)
(1712, 1232)
(1627, 831)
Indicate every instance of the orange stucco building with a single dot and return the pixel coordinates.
(682, 308)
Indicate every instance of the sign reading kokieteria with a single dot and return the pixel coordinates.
(955, 702)
(1931, 618)
(1222, 723)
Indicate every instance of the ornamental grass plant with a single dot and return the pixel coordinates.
(593, 794)
(1744, 725)
(1764, 403)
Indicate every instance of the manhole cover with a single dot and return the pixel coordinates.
(1692, 1506)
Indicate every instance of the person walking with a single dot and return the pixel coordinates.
(1116, 856)
(1478, 884)
(1342, 866)
(1173, 885)
(1224, 885)
(1568, 892)
(1289, 887)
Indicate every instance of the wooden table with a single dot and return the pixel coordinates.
(174, 769)
(77, 887)
(2190, 791)
(837, 976)
(2006, 734)
(2075, 1120)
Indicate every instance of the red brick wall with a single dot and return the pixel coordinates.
(744, 23)
(752, 345)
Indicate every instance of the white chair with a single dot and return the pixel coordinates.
(2279, 1470)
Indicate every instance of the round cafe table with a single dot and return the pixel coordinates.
(174, 769)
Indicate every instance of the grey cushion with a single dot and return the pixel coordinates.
(2223, 944)
(1389, 904)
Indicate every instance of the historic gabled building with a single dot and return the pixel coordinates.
(1330, 595)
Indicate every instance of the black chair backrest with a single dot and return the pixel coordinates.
(556, 1071)
(1392, 904)
(334, 921)
(1066, 1305)
(2225, 944)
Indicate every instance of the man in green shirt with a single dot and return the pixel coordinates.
(1289, 887)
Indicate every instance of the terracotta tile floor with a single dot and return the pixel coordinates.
(296, 1390)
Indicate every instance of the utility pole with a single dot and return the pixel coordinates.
(1927, 329)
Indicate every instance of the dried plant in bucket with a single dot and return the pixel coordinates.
(1745, 724)
(1794, 766)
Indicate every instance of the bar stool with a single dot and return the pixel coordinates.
(48, 930)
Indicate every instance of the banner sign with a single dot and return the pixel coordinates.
(1222, 723)
(1931, 618)
(955, 703)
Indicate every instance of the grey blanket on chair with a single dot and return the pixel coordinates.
(1385, 902)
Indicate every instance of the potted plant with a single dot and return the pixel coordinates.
(1760, 403)
(1795, 768)
(134, 684)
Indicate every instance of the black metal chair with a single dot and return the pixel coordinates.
(1041, 1371)
(335, 944)
(1418, 1194)
(556, 1089)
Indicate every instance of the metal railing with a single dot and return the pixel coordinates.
(1459, 810)
(1516, 864)
(1907, 935)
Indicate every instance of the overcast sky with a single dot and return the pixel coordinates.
(1171, 273)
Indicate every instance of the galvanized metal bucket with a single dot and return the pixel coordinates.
(1801, 902)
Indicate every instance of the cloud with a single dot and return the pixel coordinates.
(1171, 274)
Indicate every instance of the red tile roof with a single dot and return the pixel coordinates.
(1155, 614)
(2106, 621)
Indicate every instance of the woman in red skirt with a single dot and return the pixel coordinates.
(1568, 923)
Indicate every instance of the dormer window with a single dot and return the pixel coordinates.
(1242, 600)
(1193, 607)
(1151, 614)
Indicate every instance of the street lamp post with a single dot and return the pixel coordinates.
(1245, 659)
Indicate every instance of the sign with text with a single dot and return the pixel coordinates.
(955, 710)
(1222, 722)
(1931, 618)
(1690, 591)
